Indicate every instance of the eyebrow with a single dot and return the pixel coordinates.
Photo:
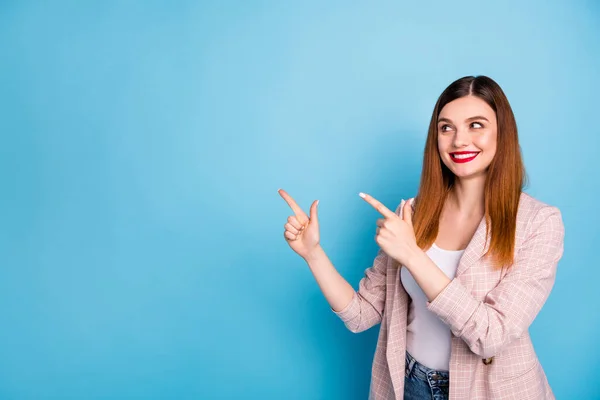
(468, 119)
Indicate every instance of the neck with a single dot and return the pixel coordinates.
(467, 197)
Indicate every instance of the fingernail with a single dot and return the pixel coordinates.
(361, 194)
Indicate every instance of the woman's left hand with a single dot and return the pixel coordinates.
(395, 235)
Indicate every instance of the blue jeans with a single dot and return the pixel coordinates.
(421, 382)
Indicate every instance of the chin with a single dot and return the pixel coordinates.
(469, 174)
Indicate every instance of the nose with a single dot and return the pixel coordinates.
(461, 138)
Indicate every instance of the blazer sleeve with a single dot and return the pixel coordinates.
(366, 307)
(488, 326)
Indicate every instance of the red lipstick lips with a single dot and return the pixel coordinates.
(462, 160)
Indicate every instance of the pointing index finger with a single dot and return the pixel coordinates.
(294, 206)
(383, 210)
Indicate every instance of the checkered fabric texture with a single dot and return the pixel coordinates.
(489, 313)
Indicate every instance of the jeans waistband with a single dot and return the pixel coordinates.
(423, 372)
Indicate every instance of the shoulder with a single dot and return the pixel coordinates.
(530, 207)
(533, 215)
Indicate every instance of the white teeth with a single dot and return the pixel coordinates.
(461, 156)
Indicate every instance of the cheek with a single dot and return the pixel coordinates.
(487, 143)
(443, 144)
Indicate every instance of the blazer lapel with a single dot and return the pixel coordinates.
(397, 333)
(399, 307)
(474, 250)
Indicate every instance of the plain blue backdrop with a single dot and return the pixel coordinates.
(143, 143)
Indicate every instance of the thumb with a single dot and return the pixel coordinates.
(314, 217)
(407, 212)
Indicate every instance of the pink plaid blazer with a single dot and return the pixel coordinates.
(489, 313)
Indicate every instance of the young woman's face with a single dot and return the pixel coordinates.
(467, 132)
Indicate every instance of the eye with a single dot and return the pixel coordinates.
(477, 123)
(442, 128)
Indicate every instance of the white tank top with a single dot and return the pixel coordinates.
(428, 339)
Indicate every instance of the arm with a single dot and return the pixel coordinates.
(335, 288)
(488, 326)
(364, 308)
(359, 310)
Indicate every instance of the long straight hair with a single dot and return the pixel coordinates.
(505, 175)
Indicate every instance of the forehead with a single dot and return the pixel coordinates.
(466, 107)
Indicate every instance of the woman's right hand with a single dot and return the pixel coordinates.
(301, 231)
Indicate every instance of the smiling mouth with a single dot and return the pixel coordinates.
(463, 157)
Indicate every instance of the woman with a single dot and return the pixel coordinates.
(463, 268)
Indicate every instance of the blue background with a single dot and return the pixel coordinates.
(143, 143)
